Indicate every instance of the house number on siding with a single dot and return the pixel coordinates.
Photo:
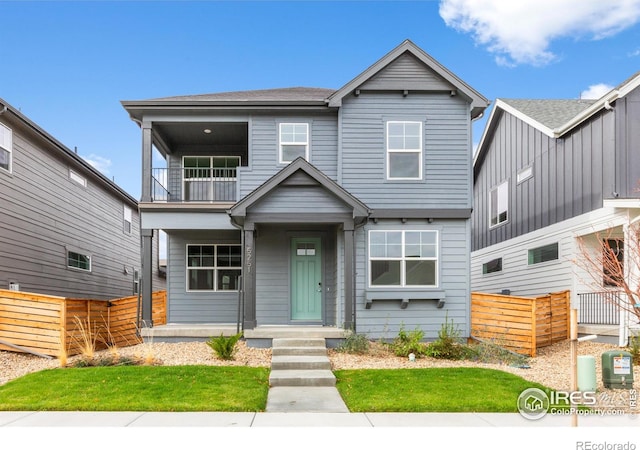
(249, 258)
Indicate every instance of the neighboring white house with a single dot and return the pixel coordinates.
(548, 175)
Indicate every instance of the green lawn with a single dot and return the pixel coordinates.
(139, 388)
(431, 390)
(232, 388)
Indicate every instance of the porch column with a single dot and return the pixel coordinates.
(147, 143)
(249, 276)
(349, 276)
(147, 277)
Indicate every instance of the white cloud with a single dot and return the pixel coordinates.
(521, 31)
(634, 53)
(100, 163)
(595, 91)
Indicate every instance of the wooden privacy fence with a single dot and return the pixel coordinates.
(520, 324)
(47, 325)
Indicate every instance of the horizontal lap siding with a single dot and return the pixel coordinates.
(43, 211)
(196, 307)
(263, 151)
(446, 150)
(384, 319)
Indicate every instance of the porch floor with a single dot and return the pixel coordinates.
(202, 331)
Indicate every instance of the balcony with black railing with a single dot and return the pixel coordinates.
(194, 184)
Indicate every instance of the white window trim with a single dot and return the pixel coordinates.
(389, 151)
(214, 268)
(497, 188)
(281, 142)
(9, 149)
(77, 178)
(79, 252)
(544, 263)
(127, 218)
(403, 258)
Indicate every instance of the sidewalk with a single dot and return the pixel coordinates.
(300, 419)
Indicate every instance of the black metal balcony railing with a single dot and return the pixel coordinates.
(601, 308)
(186, 184)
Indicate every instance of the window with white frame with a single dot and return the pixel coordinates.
(6, 146)
(542, 254)
(403, 258)
(213, 267)
(210, 178)
(524, 174)
(294, 141)
(499, 204)
(77, 260)
(127, 219)
(404, 150)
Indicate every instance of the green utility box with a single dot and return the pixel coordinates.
(617, 370)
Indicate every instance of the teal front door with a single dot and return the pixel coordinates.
(306, 279)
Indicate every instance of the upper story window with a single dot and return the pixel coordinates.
(404, 150)
(6, 146)
(127, 219)
(499, 204)
(213, 267)
(294, 141)
(543, 254)
(403, 258)
(75, 176)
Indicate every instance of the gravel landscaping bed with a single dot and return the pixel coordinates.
(552, 366)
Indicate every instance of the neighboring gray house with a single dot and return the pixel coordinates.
(65, 229)
(343, 209)
(546, 174)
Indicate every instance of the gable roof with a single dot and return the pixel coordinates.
(552, 117)
(478, 102)
(63, 151)
(291, 94)
(299, 164)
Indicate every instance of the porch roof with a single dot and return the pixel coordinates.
(239, 210)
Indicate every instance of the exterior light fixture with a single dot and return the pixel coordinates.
(207, 131)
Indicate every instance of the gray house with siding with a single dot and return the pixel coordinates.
(65, 229)
(548, 176)
(342, 209)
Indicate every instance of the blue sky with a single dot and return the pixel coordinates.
(67, 65)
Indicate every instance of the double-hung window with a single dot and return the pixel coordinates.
(6, 144)
(403, 258)
(294, 142)
(499, 204)
(127, 219)
(404, 150)
(213, 267)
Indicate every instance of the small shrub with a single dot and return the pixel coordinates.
(409, 342)
(493, 352)
(354, 343)
(224, 347)
(449, 345)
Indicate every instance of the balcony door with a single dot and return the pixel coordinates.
(210, 178)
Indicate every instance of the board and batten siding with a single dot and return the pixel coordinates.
(44, 213)
(196, 307)
(627, 111)
(571, 176)
(385, 318)
(446, 158)
(264, 147)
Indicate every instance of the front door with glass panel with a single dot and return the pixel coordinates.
(306, 279)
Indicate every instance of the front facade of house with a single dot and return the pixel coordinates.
(65, 229)
(553, 178)
(340, 208)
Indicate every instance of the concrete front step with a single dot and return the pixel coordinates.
(281, 378)
(301, 351)
(299, 342)
(300, 362)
